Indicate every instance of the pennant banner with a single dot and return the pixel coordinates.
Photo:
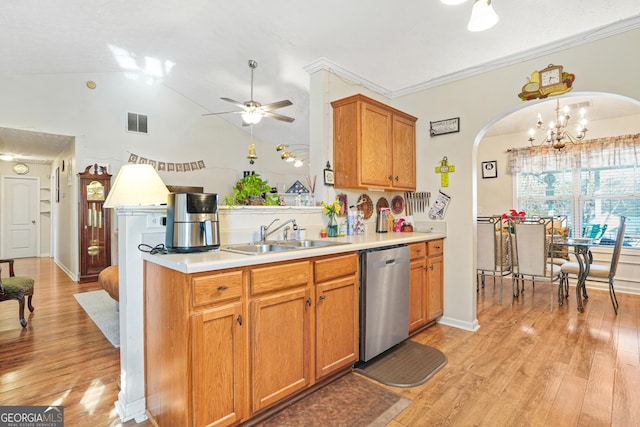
(167, 167)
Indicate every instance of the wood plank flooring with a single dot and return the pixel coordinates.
(525, 366)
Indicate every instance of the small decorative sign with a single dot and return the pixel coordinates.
(328, 175)
(442, 127)
(490, 169)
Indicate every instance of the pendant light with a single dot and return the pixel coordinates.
(483, 16)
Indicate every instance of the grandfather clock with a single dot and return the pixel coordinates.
(95, 226)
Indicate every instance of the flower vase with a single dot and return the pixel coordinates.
(332, 227)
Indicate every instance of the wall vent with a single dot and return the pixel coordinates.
(137, 123)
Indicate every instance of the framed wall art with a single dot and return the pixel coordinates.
(490, 169)
(442, 127)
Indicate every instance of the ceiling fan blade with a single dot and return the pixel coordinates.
(276, 105)
(278, 116)
(234, 102)
(223, 112)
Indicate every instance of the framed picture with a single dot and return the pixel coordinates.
(328, 175)
(490, 169)
(442, 127)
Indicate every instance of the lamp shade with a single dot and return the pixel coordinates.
(137, 185)
(483, 16)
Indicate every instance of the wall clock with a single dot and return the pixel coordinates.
(21, 169)
(551, 79)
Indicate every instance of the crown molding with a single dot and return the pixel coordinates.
(547, 49)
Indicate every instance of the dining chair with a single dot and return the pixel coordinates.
(493, 256)
(602, 273)
(534, 259)
(16, 288)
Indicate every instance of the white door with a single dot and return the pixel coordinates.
(20, 216)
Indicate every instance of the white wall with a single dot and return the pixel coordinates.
(602, 66)
(62, 104)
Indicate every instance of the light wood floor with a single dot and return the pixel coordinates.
(524, 366)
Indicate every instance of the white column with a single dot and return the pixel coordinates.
(133, 230)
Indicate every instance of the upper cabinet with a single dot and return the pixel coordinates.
(374, 145)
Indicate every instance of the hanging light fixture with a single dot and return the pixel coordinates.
(483, 16)
(452, 2)
(557, 134)
(251, 116)
(252, 156)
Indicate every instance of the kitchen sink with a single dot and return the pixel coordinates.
(258, 248)
(311, 243)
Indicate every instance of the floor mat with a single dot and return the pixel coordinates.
(103, 310)
(407, 365)
(350, 401)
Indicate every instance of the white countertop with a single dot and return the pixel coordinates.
(217, 260)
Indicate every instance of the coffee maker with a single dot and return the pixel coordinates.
(192, 222)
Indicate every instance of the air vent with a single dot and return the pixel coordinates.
(578, 105)
(137, 123)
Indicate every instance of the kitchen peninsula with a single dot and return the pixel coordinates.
(229, 337)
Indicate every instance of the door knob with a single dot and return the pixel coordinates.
(33, 221)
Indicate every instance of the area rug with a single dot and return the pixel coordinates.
(407, 365)
(102, 309)
(350, 401)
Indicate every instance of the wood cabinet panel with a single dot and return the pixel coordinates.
(373, 145)
(334, 267)
(337, 317)
(218, 366)
(417, 294)
(280, 276)
(212, 288)
(435, 279)
(280, 346)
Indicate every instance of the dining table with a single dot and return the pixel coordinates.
(581, 248)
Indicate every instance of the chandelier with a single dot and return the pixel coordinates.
(556, 134)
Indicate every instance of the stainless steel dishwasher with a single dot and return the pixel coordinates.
(384, 299)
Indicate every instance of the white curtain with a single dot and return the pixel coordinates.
(623, 150)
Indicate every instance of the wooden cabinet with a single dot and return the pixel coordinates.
(280, 331)
(336, 280)
(417, 286)
(94, 226)
(435, 279)
(374, 145)
(195, 347)
(425, 283)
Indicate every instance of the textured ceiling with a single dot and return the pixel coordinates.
(201, 47)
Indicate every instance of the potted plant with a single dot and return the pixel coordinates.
(251, 190)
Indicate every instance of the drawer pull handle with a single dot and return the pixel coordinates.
(222, 288)
(437, 247)
(239, 319)
(431, 267)
(309, 301)
(419, 250)
(322, 297)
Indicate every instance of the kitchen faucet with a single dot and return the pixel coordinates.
(263, 228)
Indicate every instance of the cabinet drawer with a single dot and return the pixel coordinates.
(435, 247)
(418, 250)
(219, 287)
(337, 266)
(280, 276)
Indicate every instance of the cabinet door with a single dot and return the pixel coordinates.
(280, 346)
(435, 287)
(417, 294)
(336, 324)
(404, 153)
(375, 146)
(218, 366)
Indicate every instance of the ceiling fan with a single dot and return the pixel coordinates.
(253, 111)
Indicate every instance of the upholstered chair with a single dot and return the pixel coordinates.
(16, 288)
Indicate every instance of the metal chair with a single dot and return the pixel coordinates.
(16, 288)
(493, 255)
(534, 259)
(602, 273)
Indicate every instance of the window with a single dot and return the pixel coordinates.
(593, 184)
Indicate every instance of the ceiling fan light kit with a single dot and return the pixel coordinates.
(252, 111)
(483, 16)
